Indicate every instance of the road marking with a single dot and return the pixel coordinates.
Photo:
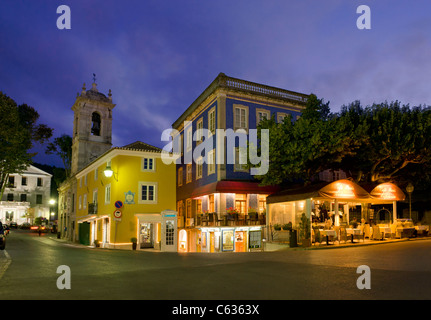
(4, 266)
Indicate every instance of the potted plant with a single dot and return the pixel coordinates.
(96, 243)
(232, 214)
(305, 232)
(287, 226)
(252, 213)
(134, 243)
(277, 227)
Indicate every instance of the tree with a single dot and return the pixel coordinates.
(19, 130)
(394, 138)
(379, 143)
(62, 146)
(299, 150)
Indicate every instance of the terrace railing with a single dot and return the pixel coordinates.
(244, 85)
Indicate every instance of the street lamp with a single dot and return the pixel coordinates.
(108, 172)
(410, 189)
(52, 213)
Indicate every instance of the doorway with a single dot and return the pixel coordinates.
(146, 236)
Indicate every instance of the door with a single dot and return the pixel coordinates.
(239, 241)
(105, 230)
(84, 233)
(146, 236)
(212, 241)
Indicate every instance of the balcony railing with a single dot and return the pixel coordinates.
(92, 208)
(222, 220)
(245, 85)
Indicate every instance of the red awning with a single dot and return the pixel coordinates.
(244, 187)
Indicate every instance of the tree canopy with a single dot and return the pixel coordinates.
(62, 146)
(19, 130)
(378, 143)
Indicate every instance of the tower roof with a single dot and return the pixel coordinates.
(94, 94)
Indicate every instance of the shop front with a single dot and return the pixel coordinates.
(157, 231)
(331, 205)
(94, 228)
(228, 239)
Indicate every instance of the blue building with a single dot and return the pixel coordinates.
(212, 180)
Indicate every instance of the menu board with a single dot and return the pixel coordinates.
(227, 240)
(255, 239)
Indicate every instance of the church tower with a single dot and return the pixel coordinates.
(92, 126)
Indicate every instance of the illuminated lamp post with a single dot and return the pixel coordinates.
(409, 190)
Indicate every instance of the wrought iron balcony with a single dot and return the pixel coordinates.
(92, 208)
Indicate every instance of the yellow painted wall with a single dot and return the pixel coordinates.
(127, 169)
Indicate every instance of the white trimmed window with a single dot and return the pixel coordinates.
(262, 114)
(211, 121)
(240, 159)
(95, 196)
(189, 139)
(199, 130)
(199, 165)
(281, 116)
(240, 120)
(189, 173)
(108, 193)
(148, 164)
(147, 192)
(180, 176)
(211, 162)
(84, 202)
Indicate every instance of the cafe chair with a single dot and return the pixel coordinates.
(362, 234)
(205, 219)
(377, 235)
(316, 236)
(343, 234)
(337, 235)
(218, 220)
(367, 231)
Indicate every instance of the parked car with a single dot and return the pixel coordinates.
(25, 225)
(6, 229)
(2, 242)
(42, 229)
(13, 224)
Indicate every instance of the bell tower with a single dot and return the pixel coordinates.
(92, 126)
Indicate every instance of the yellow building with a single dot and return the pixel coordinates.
(127, 192)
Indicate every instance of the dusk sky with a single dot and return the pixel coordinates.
(158, 56)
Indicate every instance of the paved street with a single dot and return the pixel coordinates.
(28, 271)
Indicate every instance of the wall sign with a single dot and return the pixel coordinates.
(117, 215)
(129, 197)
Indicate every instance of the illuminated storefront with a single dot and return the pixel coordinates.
(158, 231)
(229, 239)
(337, 203)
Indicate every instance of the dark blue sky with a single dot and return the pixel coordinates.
(158, 56)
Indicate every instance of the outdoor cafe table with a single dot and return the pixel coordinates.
(328, 233)
(385, 230)
(422, 229)
(405, 232)
(353, 232)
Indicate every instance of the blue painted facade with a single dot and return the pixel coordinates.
(205, 194)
